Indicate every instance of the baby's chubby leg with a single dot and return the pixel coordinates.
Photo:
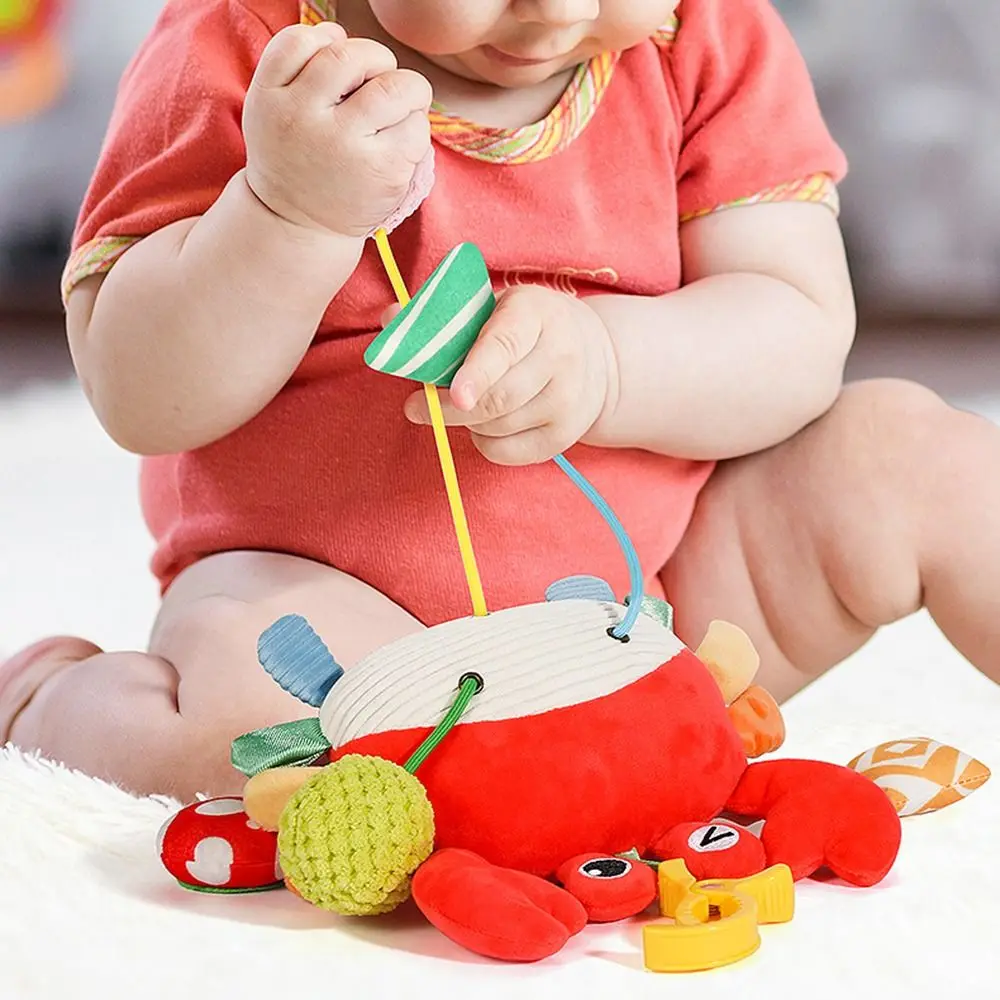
(884, 505)
(163, 721)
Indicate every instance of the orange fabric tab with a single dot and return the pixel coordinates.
(759, 722)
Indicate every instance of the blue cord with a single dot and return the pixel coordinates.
(624, 627)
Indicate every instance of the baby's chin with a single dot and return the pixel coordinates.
(480, 66)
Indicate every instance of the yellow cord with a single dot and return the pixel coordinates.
(391, 267)
(443, 446)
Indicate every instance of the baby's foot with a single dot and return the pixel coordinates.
(25, 672)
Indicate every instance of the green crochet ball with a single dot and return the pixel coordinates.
(350, 839)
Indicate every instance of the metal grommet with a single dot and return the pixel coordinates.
(624, 639)
(472, 676)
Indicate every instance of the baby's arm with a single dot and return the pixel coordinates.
(748, 352)
(752, 347)
(200, 324)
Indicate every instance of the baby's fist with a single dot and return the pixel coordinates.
(334, 129)
(541, 375)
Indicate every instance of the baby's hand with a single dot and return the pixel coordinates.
(537, 380)
(334, 130)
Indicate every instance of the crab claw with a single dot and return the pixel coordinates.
(496, 912)
(819, 815)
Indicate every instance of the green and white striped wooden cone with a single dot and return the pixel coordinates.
(429, 339)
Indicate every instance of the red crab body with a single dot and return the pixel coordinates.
(609, 775)
(583, 749)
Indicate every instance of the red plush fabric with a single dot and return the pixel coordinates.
(820, 815)
(496, 912)
(609, 775)
(713, 850)
(609, 888)
(190, 842)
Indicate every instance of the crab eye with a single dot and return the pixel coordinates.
(610, 888)
(606, 868)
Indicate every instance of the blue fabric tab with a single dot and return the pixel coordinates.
(298, 660)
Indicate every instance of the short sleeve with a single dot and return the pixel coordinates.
(175, 137)
(752, 127)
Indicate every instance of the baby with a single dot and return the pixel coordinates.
(654, 189)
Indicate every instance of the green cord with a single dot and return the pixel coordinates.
(469, 686)
(213, 891)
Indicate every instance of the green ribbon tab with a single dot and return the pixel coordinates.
(657, 609)
(292, 744)
(635, 856)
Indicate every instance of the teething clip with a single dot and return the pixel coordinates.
(716, 922)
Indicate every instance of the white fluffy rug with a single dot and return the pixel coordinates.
(86, 912)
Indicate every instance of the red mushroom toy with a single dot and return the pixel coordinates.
(213, 846)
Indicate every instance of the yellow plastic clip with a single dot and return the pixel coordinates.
(716, 922)
(676, 883)
(773, 889)
(711, 929)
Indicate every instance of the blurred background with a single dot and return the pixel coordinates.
(911, 89)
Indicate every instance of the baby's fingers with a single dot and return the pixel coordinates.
(513, 404)
(341, 70)
(390, 313)
(388, 100)
(539, 444)
(291, 50)
(510, 335)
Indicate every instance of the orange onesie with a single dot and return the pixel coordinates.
(716, 110)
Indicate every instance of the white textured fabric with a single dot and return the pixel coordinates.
(532, 659)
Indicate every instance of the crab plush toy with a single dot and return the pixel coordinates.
(582, 739)
(576, 751)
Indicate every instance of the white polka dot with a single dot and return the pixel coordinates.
(220, 807)
(252, 824)
(161, 836)
(213, 862)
